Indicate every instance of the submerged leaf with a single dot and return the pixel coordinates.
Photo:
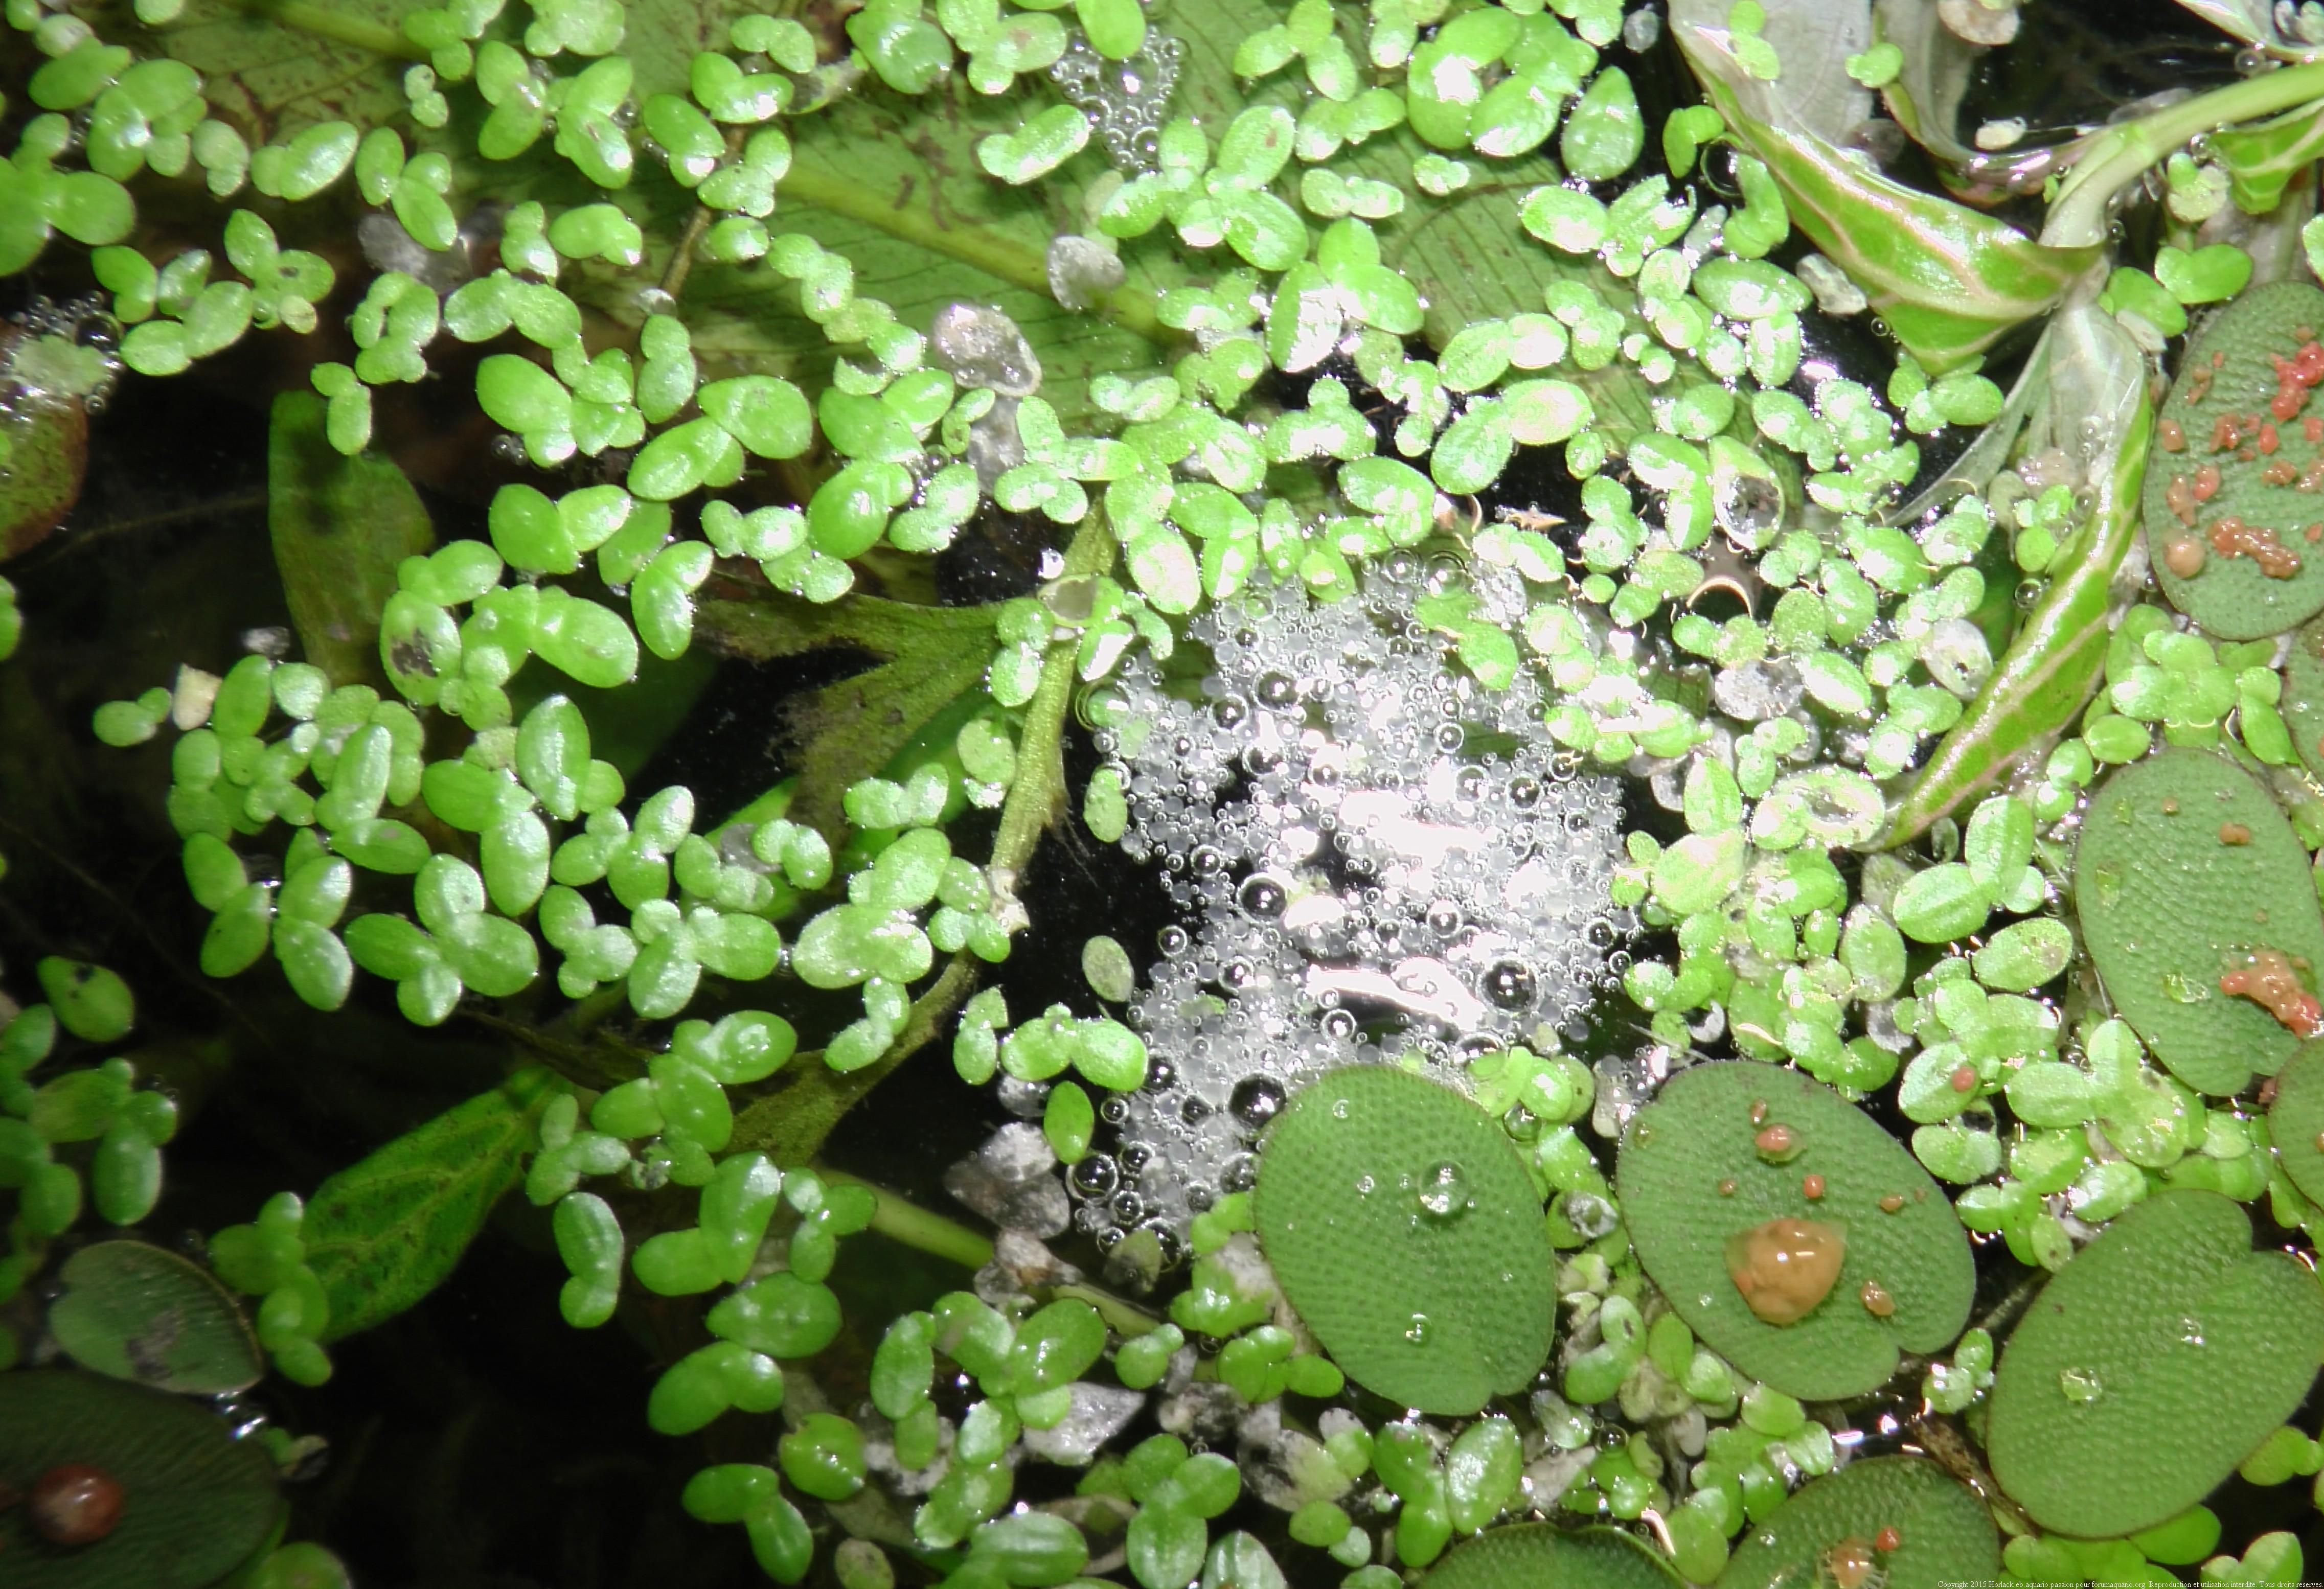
(384, 1232)
(341, 526)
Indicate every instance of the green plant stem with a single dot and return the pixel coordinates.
(1131, 308)
(2077, 214)
(791, 1123)
(332, 22)
(899, 1220)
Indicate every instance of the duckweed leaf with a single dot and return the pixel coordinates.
(2234, 534)
(384, 1232)
(138, 1312)
(2187, 867)
(2160, 1357)
(2296, 1119)
(197, 1501)
(1531, 1554)
(1699, 1137)
(1947, 1534)
(1389, 1207)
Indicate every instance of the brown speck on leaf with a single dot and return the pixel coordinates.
(1892, 1202)
(1811, 1187)
(1727, 1187)
(2234, 833)
(1889, 1539)
(1877, 1300)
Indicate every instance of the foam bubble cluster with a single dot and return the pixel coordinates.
(1377, 856)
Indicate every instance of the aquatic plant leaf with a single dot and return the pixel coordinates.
(197, 1502)
(2235, 535)
(2296, 1119)
(1404, 1229)
(1949, 281)
(275, 77)
(340, 526)
(1529, 1554)
(928, 658)
(138, 1312)
(1699, 1138)
(2055, 658)
(1926, 93)
(46, 443)
(2159, 1357)
(2186, 869)
(1945, 1532)
(2302, 704)
(384, 1232)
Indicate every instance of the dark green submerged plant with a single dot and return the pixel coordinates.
(1244, 320)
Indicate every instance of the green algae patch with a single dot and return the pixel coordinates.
(196, 1501)
(1937, 1531)
(2296, 1119)
(1531, 1556)
(1718, 1177)
(1404, 1229)
(2234, 516)
(2200, 915)
(2160, 1357)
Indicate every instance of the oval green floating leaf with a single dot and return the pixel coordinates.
(1700, 1135)
(2188, 874)
(2303, 697)
(2296, 1119)
(197, 1502)
(1435, 1309)
(138, 1312)
(1530, 1555)
(1944, 1532)
(2225, 519)
(2158, 1359)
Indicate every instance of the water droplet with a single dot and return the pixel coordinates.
(1365, 1186)
(1339, 1108)
(1257, 1099)
(1509, 984)
(1278, 689)
(1876, 1299)
(2080, 1384)
(1444, 1192)
(2191, 1330)
(2185, 989)
(1778, 1144)
(1418, 1331)
(1262, 898)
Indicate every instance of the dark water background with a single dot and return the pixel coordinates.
(477, 1441)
